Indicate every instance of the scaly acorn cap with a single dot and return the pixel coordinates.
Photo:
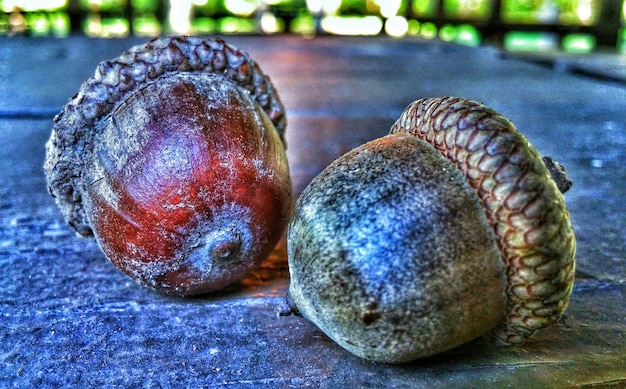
(116, 79)
(521, 197)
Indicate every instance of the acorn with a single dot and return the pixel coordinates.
(173, 157)
(449, 228)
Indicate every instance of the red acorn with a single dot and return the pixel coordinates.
(173, 157)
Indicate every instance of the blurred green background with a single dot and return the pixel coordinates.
(576, 26)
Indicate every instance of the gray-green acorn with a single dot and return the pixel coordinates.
(447, 229)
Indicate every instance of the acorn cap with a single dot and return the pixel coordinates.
(74, 127)
(521, 198)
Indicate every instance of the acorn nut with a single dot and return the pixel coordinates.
(449, 228)
(172, 156)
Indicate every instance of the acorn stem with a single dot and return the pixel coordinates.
(558, 174)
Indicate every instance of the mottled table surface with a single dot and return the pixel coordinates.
(70, 318)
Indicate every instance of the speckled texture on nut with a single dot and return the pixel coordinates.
(521, 201)
(391, 255)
